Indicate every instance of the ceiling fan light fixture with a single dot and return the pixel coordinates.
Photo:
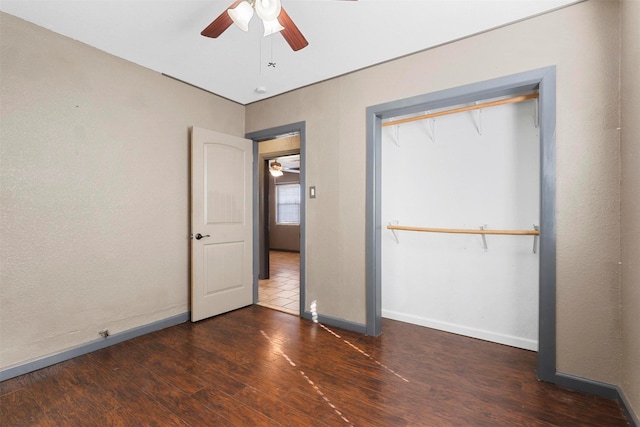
(275, 169)
(268, 10)
(241, 15)
(274, 17)
(271, 27)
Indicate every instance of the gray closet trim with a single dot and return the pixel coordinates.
(261, 135)
(544, 81)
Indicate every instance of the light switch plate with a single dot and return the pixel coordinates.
(312, 192)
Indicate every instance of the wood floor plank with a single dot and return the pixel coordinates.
(13, 384)
(83, 377)
(282, 411)
(186, 406)
(315, 407)
(120, 418)
(162, 360)
(261, 367)
(20, 408)
(63, 398)
(232, 409)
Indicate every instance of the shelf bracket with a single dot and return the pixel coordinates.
(396, 135)
(484, 238)
(431, 127)
(478, 119)
(394, 232)
(535, 239)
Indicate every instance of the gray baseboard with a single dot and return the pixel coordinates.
(597, 388)
(337, 323)
(585, 385)
(92, 346)
(626, 407)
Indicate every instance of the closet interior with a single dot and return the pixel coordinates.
(461, 210)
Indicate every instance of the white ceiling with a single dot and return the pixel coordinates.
(164, 35)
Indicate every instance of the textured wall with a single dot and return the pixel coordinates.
(630, 88)
(94, 202)
(583, 42)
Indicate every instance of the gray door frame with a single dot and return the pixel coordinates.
(256, 137)
(544, 81)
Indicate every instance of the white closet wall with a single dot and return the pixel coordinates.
(464, 170)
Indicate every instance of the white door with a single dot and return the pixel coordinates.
(221, 223)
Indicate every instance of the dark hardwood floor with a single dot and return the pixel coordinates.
(260, 367)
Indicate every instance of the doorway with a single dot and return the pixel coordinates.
(279, 279)
(281, 272)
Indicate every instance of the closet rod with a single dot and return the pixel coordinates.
(465, 231)
(461, 109)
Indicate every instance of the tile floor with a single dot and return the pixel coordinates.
(282, 290)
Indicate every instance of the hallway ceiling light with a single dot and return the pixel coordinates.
(275, 169)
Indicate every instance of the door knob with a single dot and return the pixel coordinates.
(200, 236)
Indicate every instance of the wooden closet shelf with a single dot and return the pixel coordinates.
(462, 109)
(464, 231)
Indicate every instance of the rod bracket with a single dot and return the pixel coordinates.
(395, 234)
(484, 238)
(478, 119)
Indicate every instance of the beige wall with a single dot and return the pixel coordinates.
(94, 202)
(630, 95)
(583, 42)
(318, 105)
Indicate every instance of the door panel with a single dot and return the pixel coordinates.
(221, 211)
(224, 184)
(223, 267)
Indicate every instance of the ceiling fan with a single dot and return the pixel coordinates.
(273, 15)
(289, 164)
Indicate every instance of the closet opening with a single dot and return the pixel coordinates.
(460, 220)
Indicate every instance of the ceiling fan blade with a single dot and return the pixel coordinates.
(291, 33)
(221, 23)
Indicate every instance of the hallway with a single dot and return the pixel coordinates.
(282, 290)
